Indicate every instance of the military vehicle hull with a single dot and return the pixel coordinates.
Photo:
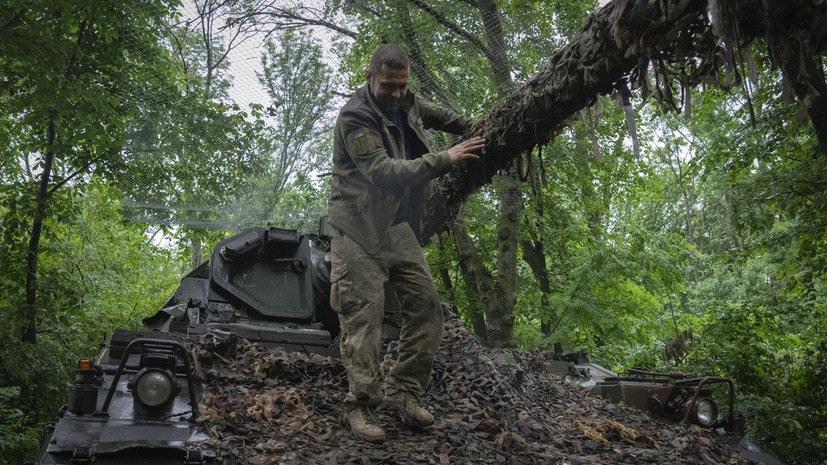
(138, 401)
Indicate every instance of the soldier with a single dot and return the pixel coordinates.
(381, 164)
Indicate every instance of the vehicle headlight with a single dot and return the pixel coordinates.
(705, 412)
(154, 387)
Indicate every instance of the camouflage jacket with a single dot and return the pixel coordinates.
(370, 170)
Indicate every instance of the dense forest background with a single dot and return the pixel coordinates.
(136, 135)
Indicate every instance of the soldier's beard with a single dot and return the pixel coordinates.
(389, 107)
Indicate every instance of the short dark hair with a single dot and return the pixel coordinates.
(390, 55)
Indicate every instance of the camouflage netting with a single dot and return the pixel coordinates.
(683, 42)
(660, 48)
(269, 406)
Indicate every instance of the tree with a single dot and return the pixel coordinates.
(735, 290)
(191, 154)
(63, 66)
(618, 44)
(477, 33)
(203, 47)
(298, 82)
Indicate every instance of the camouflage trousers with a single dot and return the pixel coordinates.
(357, 295)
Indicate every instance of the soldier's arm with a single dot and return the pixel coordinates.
(363, 142)
(435, 117)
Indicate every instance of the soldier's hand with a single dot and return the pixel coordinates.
(464, 150)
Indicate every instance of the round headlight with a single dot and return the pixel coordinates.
(706, 412)
(154, 387)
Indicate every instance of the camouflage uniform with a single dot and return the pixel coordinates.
(370, 174)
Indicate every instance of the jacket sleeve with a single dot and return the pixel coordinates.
(364, 143)
(436, 117)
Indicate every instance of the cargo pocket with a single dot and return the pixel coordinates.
(338, 286)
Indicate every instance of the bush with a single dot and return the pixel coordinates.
(19, 437)
(789, 431)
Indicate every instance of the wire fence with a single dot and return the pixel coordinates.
(245, 136)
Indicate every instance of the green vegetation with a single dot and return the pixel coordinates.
(125, 159)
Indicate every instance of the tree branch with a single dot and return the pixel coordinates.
(15, 18)
(281, 13)
(317, 22)
(608, 48)
(441, 19)
(418, 63)
(72, 176)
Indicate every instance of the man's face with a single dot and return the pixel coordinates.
(389, 86)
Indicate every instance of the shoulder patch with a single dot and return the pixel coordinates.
(360, 142)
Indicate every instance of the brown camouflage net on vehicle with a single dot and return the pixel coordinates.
(273, 407)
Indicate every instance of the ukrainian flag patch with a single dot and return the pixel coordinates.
(360, 141)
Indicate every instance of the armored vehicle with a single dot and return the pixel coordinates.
(138, 401)
(679, 397)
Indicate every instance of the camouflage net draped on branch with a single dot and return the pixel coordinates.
(685, 40)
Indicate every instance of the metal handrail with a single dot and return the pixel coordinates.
(700, 382)
(125, 357)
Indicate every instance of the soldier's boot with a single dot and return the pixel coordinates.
(410, 407)
(364, 423)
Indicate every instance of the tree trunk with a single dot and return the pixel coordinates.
(469, 263)
(617, 40)
(418, 65)
(535, 256)
(495, 51)
(726, 214)
(499, 294)
(683, 179)
(29, 334)
(443, 273)
(590, 197)
(500, 315)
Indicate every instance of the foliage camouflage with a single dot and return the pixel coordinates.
(616, 45)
